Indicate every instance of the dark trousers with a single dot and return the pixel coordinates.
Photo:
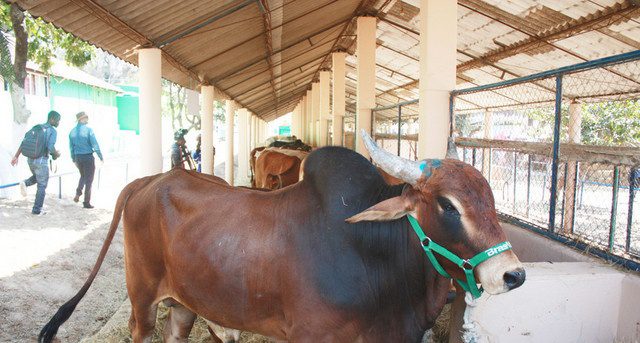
(39, 175)
(87, 166)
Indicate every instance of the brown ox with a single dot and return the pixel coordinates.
(286, 264)
(277, 168)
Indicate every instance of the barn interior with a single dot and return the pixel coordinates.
(483, 71)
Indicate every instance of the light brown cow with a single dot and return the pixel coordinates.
(331, 259)
(277, 168)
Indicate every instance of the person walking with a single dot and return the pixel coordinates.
(39, 164)
(82, 144)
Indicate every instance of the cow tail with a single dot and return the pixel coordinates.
(64, 312)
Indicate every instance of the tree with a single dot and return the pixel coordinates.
(37, 41)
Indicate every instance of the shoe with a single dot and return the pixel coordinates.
(76, 198)
(87, 206)
(41, 213)
(23, 188)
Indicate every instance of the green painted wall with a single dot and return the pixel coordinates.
(128, 109)
(74, 89)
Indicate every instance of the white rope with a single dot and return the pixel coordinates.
(470, 329)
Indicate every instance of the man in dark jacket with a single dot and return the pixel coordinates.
(82, 144)
(39, 166)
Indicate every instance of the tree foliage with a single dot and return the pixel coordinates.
(611, 123)
(46, 41)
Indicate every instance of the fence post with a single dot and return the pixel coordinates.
(632, 195)
(556, 149)
(614, 206)
(399, 126)
(515, 179)
(59, 187)
(528, 184)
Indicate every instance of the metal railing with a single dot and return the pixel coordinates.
(560, 151)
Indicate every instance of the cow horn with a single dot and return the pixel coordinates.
(452, 152)
(398, 167)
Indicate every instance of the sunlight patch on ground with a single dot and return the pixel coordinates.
(23, 248)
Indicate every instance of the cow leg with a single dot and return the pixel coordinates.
(178, 324)
(142, 320)
(228, 335)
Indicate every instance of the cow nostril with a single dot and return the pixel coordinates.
(515, 278)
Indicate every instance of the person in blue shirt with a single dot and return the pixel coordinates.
(83, 143)
(40, 166)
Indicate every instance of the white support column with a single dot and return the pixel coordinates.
(230, 114)
(325, 106)
(295, 121)
(575, 136)
(301, 118)
(254, 131)
(308, 126)
(207, 132)
(366, 75)
(243, 145)
(150, 109)
(438, 37)
(338, 60)
(315, 112)
(486, 153)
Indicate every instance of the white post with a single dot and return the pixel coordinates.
(207, 132)
(303, 117)
(254, 131)
(243, 140)
(575, 136)
(325, 106)
(315, 112)
(309, 136)
(338, 60)
(438, 37)
(295, 121)
(366, 75)
(150, 109)
(486, 153)
(230, 114)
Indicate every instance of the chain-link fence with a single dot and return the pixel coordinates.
(561, 151)
(395, 128)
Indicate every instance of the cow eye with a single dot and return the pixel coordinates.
(447, 206)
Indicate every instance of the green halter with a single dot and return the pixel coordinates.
(430, 247)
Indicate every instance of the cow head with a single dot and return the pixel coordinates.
(454, 205)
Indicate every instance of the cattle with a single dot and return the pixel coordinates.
(277, 168)
(334, 258)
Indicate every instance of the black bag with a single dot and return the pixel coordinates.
(34, 143)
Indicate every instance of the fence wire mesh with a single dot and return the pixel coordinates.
(395, 129)
(507, 131)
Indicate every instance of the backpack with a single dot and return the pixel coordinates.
(34, 143)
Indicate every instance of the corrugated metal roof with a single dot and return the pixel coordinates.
(265, 53)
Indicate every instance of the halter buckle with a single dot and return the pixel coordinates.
(426, 242)
(466, 265)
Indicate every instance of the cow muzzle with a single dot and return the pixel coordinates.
(501, 273)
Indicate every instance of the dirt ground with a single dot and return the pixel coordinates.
(44, 260)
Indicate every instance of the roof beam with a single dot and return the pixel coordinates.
(211, 20)
(260, 59)
(266, 19)
(603, 18)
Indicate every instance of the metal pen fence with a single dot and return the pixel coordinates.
(560, 150)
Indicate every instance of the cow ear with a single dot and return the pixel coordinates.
(389, 209)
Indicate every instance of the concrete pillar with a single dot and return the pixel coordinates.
(338, 69)
(206, 131)
(303, 117)
(243, 145)
(366, 75)
(315, 112)
(230, 114)
(575, 136)
(254, 131)
(486, 153)
(308, 126)
(325, 106)
(438, 37)
(149, 61)
(295, 121)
